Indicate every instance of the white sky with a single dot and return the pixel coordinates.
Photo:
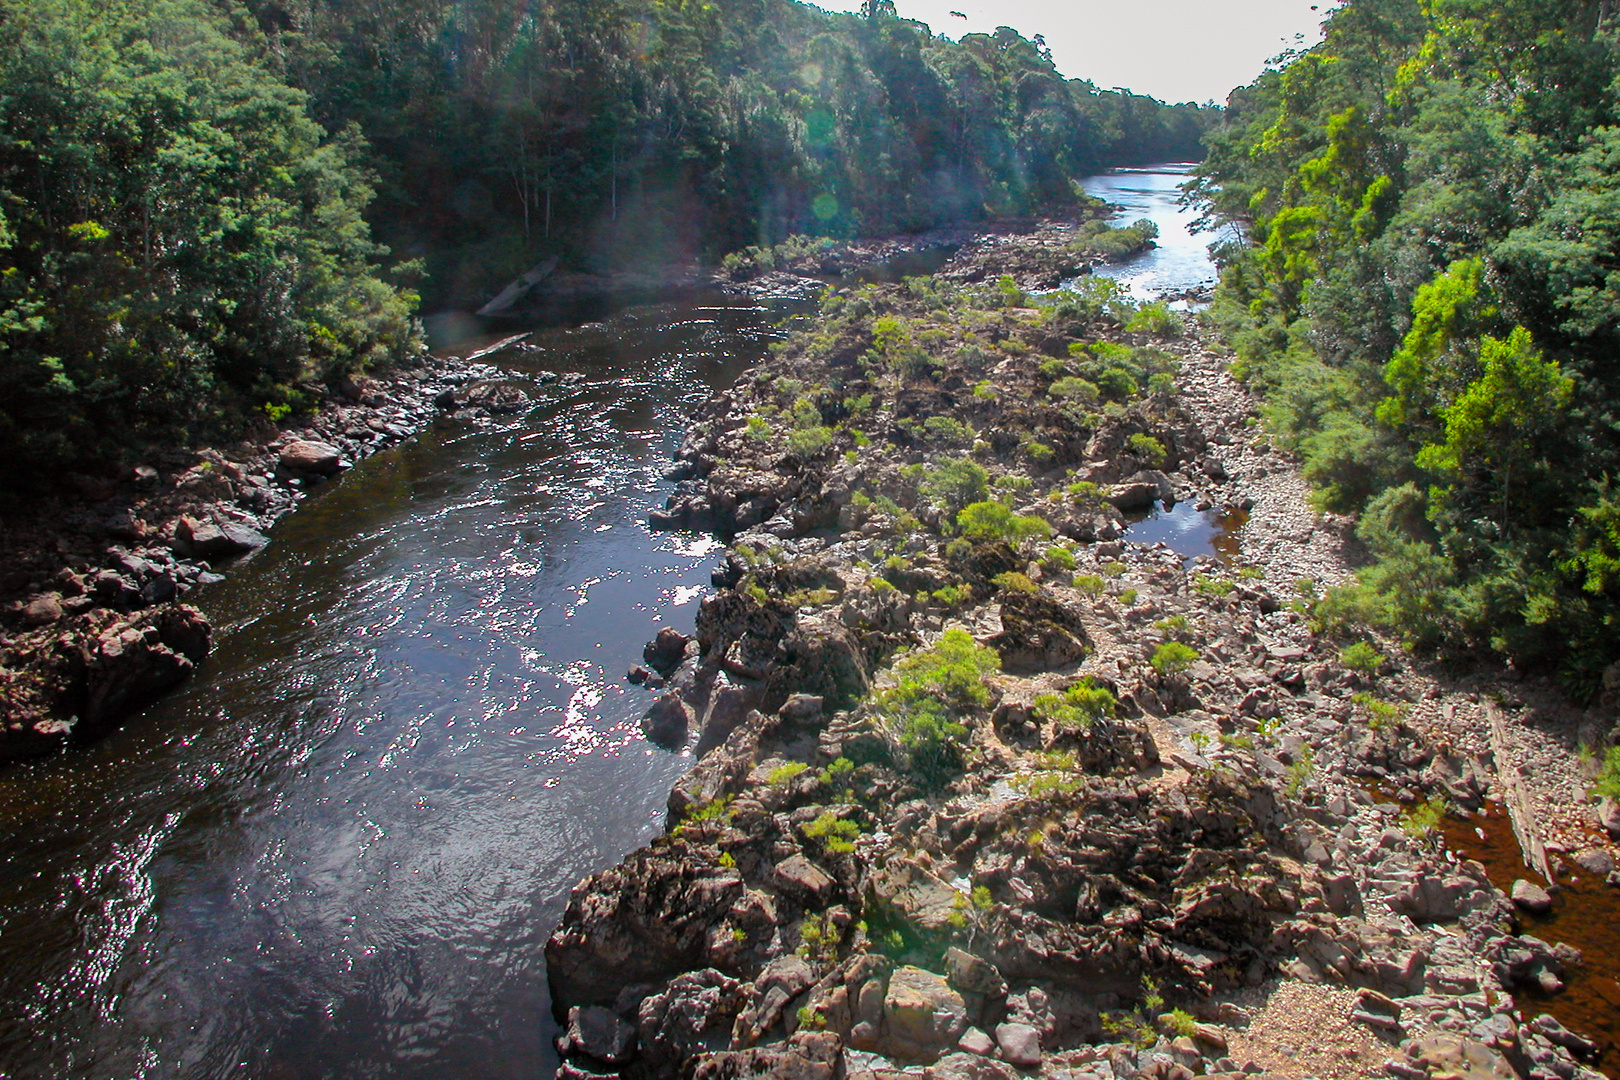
(1177, 50)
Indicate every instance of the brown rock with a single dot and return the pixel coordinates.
(924, 1015)
(42, 610)
(139, 658)
(308, 456)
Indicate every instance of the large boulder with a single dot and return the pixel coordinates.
(206, 540)
(644, 921)
(1037, 633)
(923, 1015)
(309, 456)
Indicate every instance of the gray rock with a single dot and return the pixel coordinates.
(1608, 817)
(974, 1041)
(667, 721)
(1020, 1044)
(1549, 1028)
(801, 707)
(972, 975)
(1595, 861)
(803, 879)
(42, 610)
(1531, 897)
(597, 1032)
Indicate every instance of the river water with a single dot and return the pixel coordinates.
(339, 850)
(1181, 259)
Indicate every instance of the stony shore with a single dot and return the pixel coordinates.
(93, 622)
(984, 791)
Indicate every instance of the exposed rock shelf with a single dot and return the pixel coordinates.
(986, 791)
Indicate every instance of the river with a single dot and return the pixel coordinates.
(339, 850)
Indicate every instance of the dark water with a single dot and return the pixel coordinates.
(1585, 914)
(1181, 259)
(1189, 531)
(338, 851)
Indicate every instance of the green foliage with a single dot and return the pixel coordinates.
(1607, 784)
(1173, 658)
(1362, 657)
(810, 441)
(936, 686)
(1422, 821)
(181, 243)
(993, 521)
(1149, 449)
(1205, 585)
(1430, 312)
(1299, 772)
(783, 775)
(835, 835)
(1013, 581)
(1081, 705)
(758, 428)
(1073, 388)
(1178, 1023)
(1090, 584)
(1058, 558)
(819, 941)
(1155, 318)
(838, 773)
(715, 810)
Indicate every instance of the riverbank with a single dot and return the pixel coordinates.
(985, 788)
(94, 620)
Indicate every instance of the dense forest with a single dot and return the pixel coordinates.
(206, 205)
(1430, 302)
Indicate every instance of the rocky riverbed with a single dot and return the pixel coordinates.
(985, 790)
(94, 619)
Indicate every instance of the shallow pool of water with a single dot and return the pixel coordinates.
(1189, 531)
(1585, 914)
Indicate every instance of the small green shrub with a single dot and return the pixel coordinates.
(1090, 584)
(1059, 558)
(1149, 449)
(1013, 581)
(783, 775)
(835, 834)
(954, 595)
(1081, 705)
(1608, 781)
(1074, 388)
(810, 441)
(758, 428)
(1178, 1023)
(1173, 658)
(935, 686)
(1362, 657)
(994, 521)
(1422, 820)
(1205, 585)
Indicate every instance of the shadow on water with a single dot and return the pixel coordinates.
(1189, 531)
(1585, 914)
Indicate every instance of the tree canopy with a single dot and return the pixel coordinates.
(1427, 294)
(189, 189)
